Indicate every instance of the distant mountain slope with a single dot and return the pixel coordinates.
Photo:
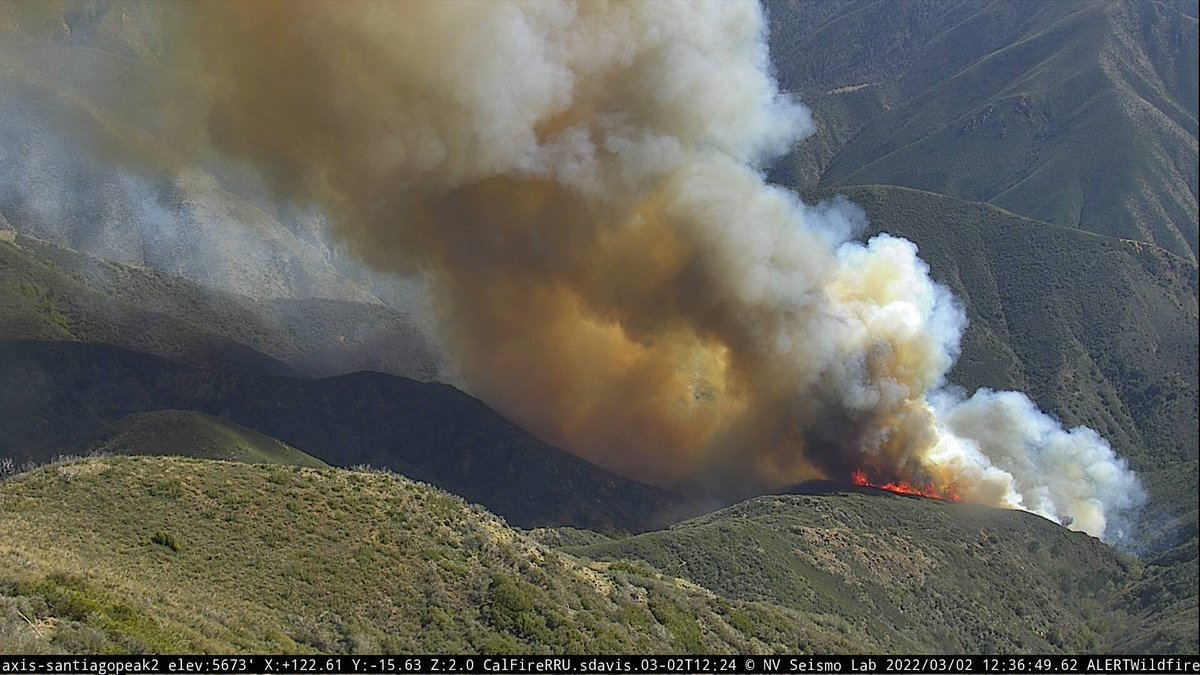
(1078, 113)
(918, 575)
(38, 300)
(121, 555)
(337, 337)
(50, 292)
(1098, 331)
(54, 393)
(192, 434)
(1164, 598)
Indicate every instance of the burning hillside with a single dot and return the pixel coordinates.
(582, 186)
(948, 493)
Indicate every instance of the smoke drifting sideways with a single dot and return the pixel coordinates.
(581, 186)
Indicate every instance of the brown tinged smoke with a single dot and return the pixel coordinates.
(579, 183)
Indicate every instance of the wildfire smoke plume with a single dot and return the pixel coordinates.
(581, 185)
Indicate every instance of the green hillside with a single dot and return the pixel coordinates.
(1098, 331)
(193, 434)
(1164, 597)
(920, 575)
(226, 557)
(181, 555)
(1077, 113)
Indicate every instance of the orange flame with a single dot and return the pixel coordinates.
(948, 493)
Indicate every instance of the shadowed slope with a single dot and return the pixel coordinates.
(53, 393)
(192, 434)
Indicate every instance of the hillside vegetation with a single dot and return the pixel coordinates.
(192, 434)
(136, 554)
(1077, 113)
(917, 575)
(179, 555)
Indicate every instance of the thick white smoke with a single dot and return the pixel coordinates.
(1028, 461)
(581, 184)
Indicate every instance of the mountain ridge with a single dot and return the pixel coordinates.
(361, 561)
(221, 557)
(187, 433)
(1007, 111)
(53, 394)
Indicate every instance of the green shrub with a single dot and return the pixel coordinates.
(168, 488)
(511, 608)
(630, 568)
(167, 539)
